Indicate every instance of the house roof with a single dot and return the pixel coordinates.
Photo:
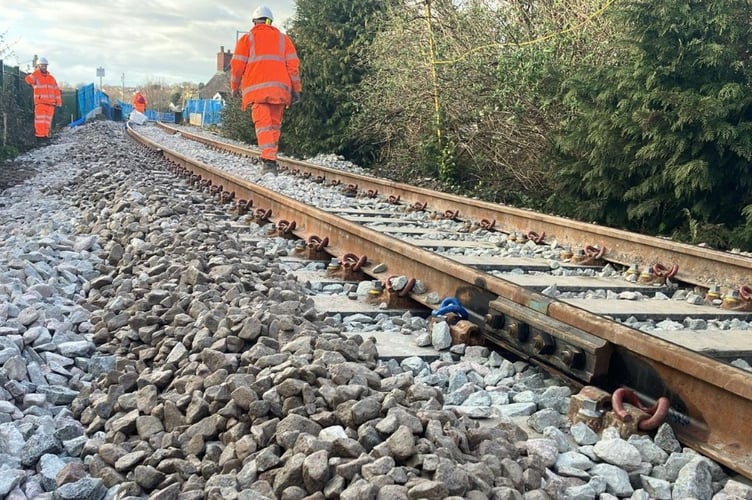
(219, 83)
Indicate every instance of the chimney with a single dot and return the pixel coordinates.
(223, 59)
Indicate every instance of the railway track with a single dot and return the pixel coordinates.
(509, 279)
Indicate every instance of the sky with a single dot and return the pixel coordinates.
(135, 41)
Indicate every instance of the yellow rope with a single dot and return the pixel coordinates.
(434, 75)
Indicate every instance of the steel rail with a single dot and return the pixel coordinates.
(711, 401)
(697, 265)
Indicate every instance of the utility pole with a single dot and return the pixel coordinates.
(122, 79)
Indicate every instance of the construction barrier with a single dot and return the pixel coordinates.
(203, 112)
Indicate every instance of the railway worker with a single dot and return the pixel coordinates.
(46, 97)
(264, 71)
(139, 102)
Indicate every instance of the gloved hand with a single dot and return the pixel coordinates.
(236, 93)
(295, 97)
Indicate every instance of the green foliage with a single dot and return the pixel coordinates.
(7, 152)
(663, 130)
(496, 92)
(447, 164)
(638, 116)
(741, 236)
(237, 124)
(16, 110)
(425, 161)
(329, 36)
(438, 159)
(696, 232)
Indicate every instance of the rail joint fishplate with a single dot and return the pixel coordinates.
(579, 354)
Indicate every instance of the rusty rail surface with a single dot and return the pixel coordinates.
(710, 400)
(697, 265)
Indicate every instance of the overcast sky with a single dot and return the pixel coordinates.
(148, 41)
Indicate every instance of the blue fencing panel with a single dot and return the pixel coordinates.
(87, 100)
(90, 100)
(126, 107)
(160, 117)
(151, 114)
(104, 103)
(210, 111)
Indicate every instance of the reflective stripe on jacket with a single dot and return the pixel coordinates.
(265, 67)
(46, 90)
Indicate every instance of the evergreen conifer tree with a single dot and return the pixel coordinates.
(664, 133)
(329, 36)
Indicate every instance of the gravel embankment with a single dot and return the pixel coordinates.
(154, 345)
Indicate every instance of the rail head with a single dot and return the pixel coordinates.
(697, 265)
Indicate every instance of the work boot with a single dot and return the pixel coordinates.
(268, 166)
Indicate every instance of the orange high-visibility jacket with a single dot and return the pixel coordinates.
(265, 67)
(139, 102)
(46, 90)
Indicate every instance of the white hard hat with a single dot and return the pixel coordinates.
(262, 12)
(42, 60)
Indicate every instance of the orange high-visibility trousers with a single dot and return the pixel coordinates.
(267, 118)
(43, 114)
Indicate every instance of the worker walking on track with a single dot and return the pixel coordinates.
(265, 73)
(139, 102)
(46, 97)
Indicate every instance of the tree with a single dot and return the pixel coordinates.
(237, 124)
(6, 48)
(479, 77)
(329, 36)
(663, 133)
(157, 92)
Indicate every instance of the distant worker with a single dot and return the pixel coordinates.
(46, 96)
(265, 72)
(139, 102)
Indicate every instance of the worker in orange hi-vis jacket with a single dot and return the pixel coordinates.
(46, 96)
(265, 72)
(139, 102)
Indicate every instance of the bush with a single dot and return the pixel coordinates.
(236, 123)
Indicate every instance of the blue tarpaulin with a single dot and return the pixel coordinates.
(209, 109)
(87, 101)
(90, 103)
